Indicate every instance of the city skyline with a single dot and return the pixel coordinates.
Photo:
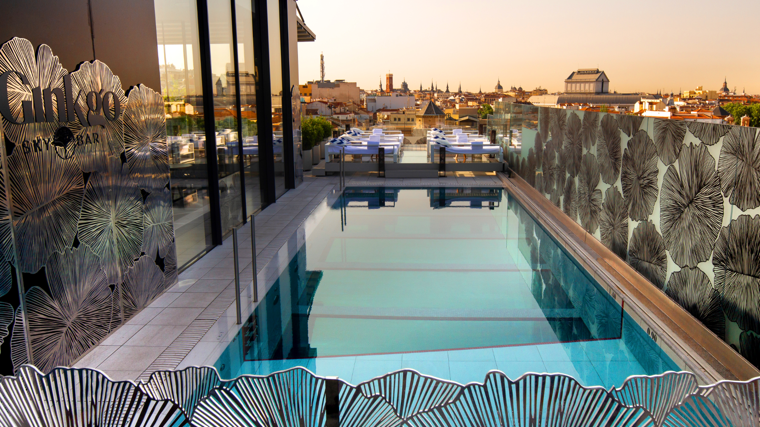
(645, 47)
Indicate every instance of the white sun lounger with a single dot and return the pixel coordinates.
(467, 150)
(360, 150)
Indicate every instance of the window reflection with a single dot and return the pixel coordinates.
(225, 112)
(275, 76)
(248, 78)
(178, 52)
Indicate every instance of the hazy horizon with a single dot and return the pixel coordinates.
(643, 46)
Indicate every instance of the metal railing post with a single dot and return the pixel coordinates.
(253, 260)
(332, 402)
(236, 255)
(442, 161)
(381, 162)
(342, 174)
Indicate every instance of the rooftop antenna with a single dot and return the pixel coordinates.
(322, 67)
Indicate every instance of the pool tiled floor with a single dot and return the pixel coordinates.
(589, 362)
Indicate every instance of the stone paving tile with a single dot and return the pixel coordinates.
(96, 356)
(131, 359)
(155, 336)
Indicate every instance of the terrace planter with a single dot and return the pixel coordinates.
(307, 160)
(322, 149)
(317, 153)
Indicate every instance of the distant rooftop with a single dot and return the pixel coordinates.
(430, 109)
(586, 75)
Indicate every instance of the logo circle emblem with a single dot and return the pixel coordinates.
(63, 141)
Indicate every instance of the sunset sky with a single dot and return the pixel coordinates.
(644, 45)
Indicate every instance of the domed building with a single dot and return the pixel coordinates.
(724, 90)
(499, 88)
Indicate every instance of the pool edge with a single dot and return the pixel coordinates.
(686, 339)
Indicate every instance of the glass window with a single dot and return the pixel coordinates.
(179, 55)
(275, 76)
(248, 78)
(225, 113)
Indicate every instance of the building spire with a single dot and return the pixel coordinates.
(322, 67)
(460, 87)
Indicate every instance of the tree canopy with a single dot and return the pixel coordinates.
(485, 110)
(740, 110)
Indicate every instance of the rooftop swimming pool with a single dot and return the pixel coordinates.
(451, 282)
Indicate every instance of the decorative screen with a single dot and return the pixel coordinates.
(86, 224)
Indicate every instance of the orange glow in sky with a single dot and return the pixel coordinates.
(643, 45)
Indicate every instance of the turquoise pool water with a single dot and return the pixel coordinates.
(452, 282)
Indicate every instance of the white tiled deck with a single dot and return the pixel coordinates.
(192, 323)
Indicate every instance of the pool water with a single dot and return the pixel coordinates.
(452, 282)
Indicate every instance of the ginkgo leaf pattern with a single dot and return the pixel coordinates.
(691, 206)
(77, 313)
(749, 347)
(558, 124)
(608, 150)
(589, 197)
(668, 138)
(736, 262)
(6, 238)
(530, 169)
(539, 184)
(569, 200)
(676, 199)
(6, 278)
(143, 282)
(544, 123)
(549, 162)
(6, 320)
(158, 229)
(539, 149)
(639, 176)
(47, 196)
(73, 217)
(19, 354)
(96, 77)
(43, 70)
(708, 133)
(692, 290)
(82, 398)
(170, 264)
(145, 138)
(629, 124)
(588, 129)
(739, 167)
(573, 150)
(197, 396)
(614, 222)
(646, 253)
(560, 176)
(112, 218)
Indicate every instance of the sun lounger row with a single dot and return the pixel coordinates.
(358, 143)
(460, 143)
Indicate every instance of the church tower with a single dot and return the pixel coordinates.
(724, 90)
